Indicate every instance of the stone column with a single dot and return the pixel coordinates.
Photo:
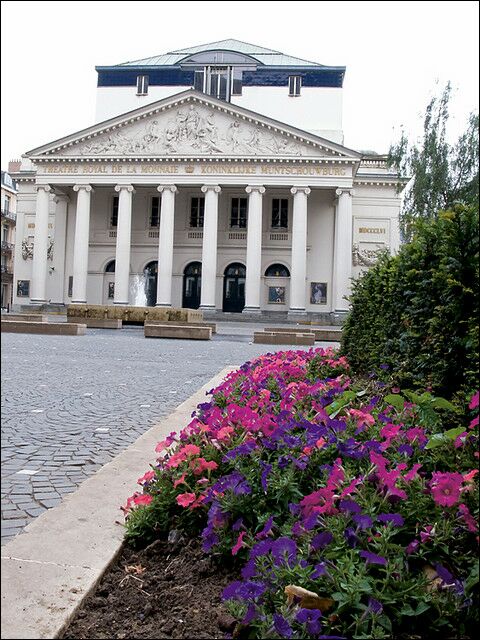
(80, 249)
(209, 247)
(165, 245)
(254, 249)
(299, 250)
(60, 241)
(40, 246)
(342, 252)
(122, 253)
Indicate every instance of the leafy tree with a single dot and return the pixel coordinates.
(442, 174)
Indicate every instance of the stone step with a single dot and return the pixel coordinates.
(321, 333)
(97, 323)
(212, 325)
(47, 328)
(25, 317)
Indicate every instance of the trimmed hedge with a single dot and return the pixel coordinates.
(417, 312)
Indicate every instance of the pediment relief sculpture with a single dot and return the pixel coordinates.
(27, 249)
(193, 129)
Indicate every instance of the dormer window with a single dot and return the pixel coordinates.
(142, 85)
(294, 86)
(221, 82)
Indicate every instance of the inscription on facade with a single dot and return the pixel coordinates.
(372, 230)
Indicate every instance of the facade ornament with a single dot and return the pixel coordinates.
(255, 187)
(167, 187)
(306, 190)
(126, 187)
(211, 187)
(344, 190)
(366, 257)
(27, 249)
(190, 130)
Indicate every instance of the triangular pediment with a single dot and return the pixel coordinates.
(191, 124)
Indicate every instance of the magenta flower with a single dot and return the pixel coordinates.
(474, 401)
(446, 488)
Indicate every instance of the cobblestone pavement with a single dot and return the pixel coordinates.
(71, 404)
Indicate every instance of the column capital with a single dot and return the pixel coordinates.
(344, 190)
(211, 187)
(126, 187)
(167, 187)
(46, 187)
(255, 187)
(306, 190)
(61, 197)
(86, 187)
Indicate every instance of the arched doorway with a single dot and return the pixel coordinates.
(277, 278)
(151, 275)
(192, 283)
(109, 282)
(234, 288)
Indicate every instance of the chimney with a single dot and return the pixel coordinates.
(14, 166)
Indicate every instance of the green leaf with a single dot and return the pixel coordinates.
(338, 404)
(442, 438)
(396, 401)
(441, 403)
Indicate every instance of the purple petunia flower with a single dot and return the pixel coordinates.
(250, 615)
(237, 525)
(248, 590)
(375, 606)
(391, 518)
(362, 521)
(321, 540)
(210, 539)
(372, 558)
(311, 619)
(266, 468)
(284, 547)
(266, 529)
(351, 537)
(350, 505)
(412, 547)
(406, 449)
(242, 450)
(235, 482)
(319, 570)
(282, 626)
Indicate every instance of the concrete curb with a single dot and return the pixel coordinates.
(51, 567)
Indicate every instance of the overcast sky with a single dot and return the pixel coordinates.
(396, 53)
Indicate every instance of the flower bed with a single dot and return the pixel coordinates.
(351, 510)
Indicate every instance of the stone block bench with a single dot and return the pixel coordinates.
(212, 325)
(46, 328)
(283, 337)
(183, 332)
(97, 323)
(321, 334)
(24, 317)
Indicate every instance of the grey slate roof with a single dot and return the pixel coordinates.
(268, 57)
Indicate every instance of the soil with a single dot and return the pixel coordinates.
(167, 590)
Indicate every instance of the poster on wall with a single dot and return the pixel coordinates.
(318, 293)
(23, 288)
(111, 289)
(276, 295)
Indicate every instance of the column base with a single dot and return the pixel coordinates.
(38, 301)
(122, 303)
(208, 309)
(255, 311)
(79, 302)
(163, 304)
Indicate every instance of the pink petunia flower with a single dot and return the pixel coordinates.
(142, 500)
(474, 401)
(468, 518)
(185, 499)
(180, 480)
(149, 475)
(239, 544)
(446, 488)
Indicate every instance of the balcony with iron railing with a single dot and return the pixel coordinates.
(7, 247)
(9, 215)
(7, 274)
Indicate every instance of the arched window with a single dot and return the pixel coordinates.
(193, 269)
(277, 271)
(110, 268)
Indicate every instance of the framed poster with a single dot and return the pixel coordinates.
(318, 293)
(111, 289)
(70, 286)
(23, 288)
(276, 295)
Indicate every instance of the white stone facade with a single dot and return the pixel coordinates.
(342, 209)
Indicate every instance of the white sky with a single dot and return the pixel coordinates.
(395, 53)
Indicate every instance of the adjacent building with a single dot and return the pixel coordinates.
(8, 219)
(214, 177)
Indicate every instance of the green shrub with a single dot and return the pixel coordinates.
(417, 312)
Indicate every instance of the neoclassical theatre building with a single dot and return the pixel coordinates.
(214, 177)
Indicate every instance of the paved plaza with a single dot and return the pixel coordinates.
(70, 404)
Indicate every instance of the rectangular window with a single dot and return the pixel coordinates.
(198, 80)
(238, 213)
(197, 212)
(142, 85)
(280, 213)
(236, 82)
(6, 205)
(70, 286)
(155, 212)
(294, 85)
(114, 216)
